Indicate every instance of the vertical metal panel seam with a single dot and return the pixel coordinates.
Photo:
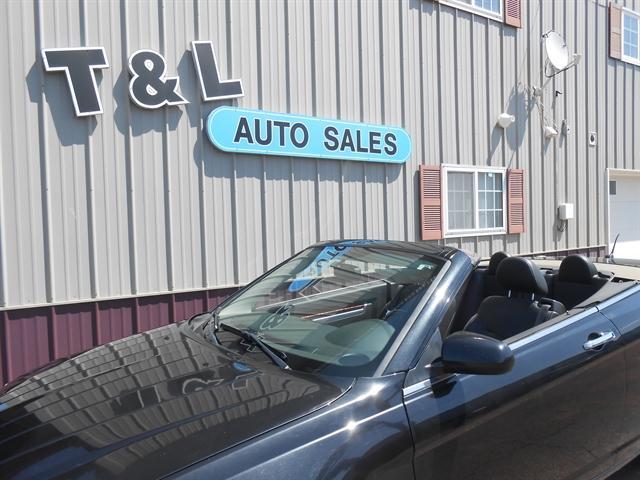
(385, 189)
(202, 205)
(287, 60)
(530, 128)
(166, 166)
(421, 92)
(403, 117)
(634, 118)
(517, 74)
(339, 113)
(616, 71)
(423, 152)
(543, 167)
(586, 120)
(603, 192)
(577, 140)
(488, 74)
(64, 234)
(492, 123)
(473, 67)
(363, 192)
(599, 172)
(133, 261)
(314, 111)
(234, 160)
(263, 174)
(556, 153)
(439, 79)
(566, 151)
(503, 137)
(44, 165)
(456, 88)
(89, 176)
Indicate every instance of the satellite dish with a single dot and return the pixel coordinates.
(558, 57)
(557, 50)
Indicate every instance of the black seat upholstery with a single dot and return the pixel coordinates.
(482, 284)
(576, 281)
(504, 317)
(491, 285)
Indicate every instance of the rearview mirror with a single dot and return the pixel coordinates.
(466, 352)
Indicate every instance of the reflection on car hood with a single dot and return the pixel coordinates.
(146, 406)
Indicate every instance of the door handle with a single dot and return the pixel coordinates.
(604, 337)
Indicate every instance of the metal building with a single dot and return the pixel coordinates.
(119, 221)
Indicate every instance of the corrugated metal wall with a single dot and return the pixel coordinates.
(136, 201)
(33, 337)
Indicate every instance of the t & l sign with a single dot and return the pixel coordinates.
(149, 86)
(230, 129)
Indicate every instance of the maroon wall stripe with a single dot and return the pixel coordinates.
(153, 312)
(32, 337)
(3, 372)
(72, 329)
(27, 340)
(115, 320)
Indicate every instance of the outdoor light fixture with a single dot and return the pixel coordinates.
(550, 132)
(505, 120)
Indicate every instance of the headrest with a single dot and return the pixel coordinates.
(519, 274)
(577, 269)
(496, 258)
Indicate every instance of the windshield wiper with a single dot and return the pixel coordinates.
(275, 355)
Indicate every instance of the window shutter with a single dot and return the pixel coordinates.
(431, 202)
(615, 31)
(515, 200)
(513, 13)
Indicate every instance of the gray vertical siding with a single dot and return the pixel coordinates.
(133, 201)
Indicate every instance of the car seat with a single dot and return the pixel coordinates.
(503, 317)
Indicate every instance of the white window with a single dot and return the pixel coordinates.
(474, 200)
(487, 8)
(630, 36)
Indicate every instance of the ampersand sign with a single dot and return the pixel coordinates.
(149, 88)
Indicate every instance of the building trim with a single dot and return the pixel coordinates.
(471, 8)
(623, 57)
(476, 231)
(121, 297)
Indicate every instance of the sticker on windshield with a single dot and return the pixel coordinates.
(320, 264)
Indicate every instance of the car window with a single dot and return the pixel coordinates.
(335, 308)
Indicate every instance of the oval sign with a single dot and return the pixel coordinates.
(267, 133)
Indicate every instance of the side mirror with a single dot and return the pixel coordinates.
(466, 352)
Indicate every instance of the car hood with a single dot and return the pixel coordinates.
(146, 406)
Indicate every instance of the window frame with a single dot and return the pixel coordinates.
(472, 8)
(623, 56)
(476, 231)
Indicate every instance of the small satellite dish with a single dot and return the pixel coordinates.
(558, 57)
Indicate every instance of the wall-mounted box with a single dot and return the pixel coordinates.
(566, 211)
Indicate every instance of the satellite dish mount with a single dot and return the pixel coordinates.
(558, 57)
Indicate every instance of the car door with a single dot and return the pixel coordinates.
(557, 414)
(624, 312)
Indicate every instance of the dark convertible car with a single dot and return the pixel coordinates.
(356, 359)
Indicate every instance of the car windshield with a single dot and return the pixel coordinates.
(334, 309)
